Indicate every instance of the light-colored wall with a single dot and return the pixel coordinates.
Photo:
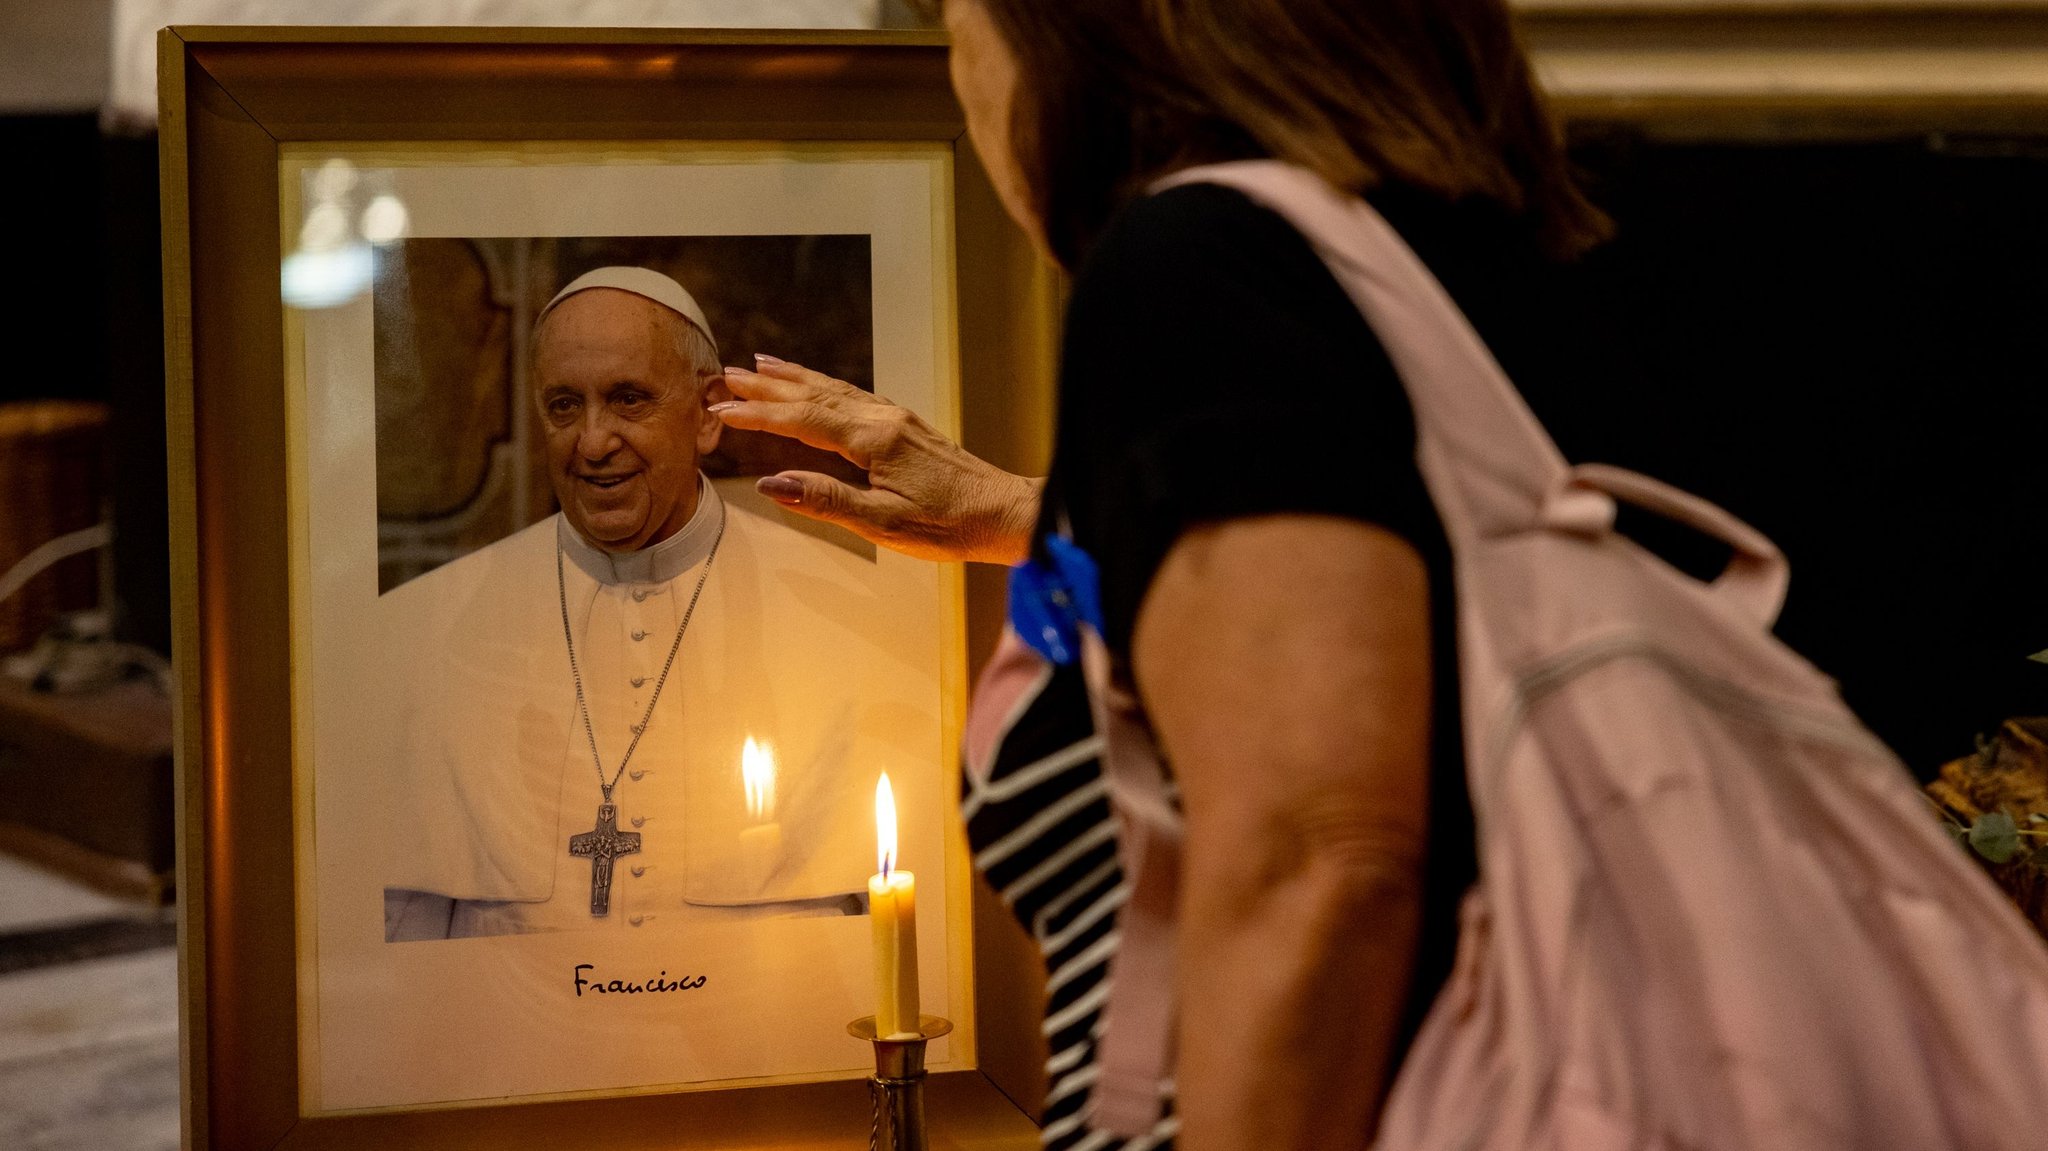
(53, 55)
(81, 55)
(131, 100)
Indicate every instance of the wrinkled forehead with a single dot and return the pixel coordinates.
(604, 327)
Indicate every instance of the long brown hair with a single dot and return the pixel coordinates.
(1433, 94)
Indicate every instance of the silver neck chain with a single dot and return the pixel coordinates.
(583, 707)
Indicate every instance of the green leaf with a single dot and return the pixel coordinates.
(1995, 836)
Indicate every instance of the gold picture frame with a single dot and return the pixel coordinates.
(237, 106)
(1791, 69)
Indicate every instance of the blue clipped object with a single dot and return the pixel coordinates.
(1050, 601)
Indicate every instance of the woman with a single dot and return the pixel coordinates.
(1237, 455)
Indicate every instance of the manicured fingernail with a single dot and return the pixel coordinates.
(780, 488)
(732, 371)
(764, 358)
(724, 407)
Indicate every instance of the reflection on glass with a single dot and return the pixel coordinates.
(384, 219)
(761, 839)
(333, 262)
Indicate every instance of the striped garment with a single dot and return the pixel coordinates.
(1042, 832)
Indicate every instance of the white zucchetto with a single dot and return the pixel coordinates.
(644, 282)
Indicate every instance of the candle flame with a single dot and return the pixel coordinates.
(885, 826)
(757, 775)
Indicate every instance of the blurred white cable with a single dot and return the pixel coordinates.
(77, 654)
(59, 549)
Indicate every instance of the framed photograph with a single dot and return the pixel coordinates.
(529, 758)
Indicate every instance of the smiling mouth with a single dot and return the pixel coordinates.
(606, 483)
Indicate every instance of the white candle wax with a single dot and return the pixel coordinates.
(892, 905)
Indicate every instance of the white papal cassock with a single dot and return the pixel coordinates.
(494, 772)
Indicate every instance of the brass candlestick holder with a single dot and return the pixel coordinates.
(897, 1085)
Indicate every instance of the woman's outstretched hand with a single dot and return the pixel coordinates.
(927, 496)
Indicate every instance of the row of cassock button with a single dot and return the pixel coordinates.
(639, 635)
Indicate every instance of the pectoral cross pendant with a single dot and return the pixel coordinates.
(601, 845)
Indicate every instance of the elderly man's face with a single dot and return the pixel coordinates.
(624, 416)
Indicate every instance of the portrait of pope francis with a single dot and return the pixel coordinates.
(659, 706)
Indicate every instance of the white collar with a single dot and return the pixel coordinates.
(658, 564)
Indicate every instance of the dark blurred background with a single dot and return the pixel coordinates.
(86, 311)
(1846, 344)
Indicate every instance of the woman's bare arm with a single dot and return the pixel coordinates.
(1285, 662)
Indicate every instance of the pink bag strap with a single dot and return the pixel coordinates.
(1012, 679)
(1757, 576)
(1138, 1021)
(1137, 1044)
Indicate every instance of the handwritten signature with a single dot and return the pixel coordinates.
(658, 984)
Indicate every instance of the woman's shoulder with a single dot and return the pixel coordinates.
(1198, 231)
(1199, 263)
(1206, 207)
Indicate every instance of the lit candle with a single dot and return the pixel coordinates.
(892, 906)
(761, 840)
